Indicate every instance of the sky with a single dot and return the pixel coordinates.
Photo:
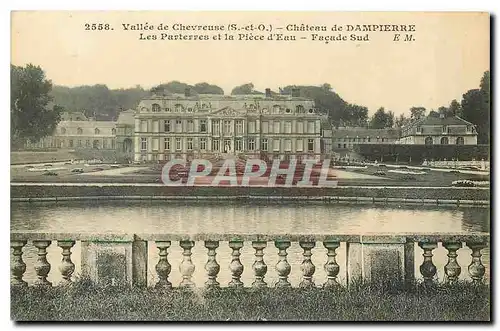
(447, 57)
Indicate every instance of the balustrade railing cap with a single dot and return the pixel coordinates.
(479, 237)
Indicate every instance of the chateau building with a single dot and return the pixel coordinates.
(191, 126)
(439, 131)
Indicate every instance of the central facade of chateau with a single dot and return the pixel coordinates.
(185, 126)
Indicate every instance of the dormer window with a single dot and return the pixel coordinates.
(63, 130)
(156, 108)
(178, 108)
(113, 131)
(288, 110)
(97, 131)
(276, 109)
(299, 109)
(445, 129)
(190, 109)
(167, 110)
(79, 131)
(311, 111)
(419, 129)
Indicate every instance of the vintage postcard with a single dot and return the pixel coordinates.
(250, 166)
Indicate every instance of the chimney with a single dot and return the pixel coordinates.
(295, 92)
(268, 92)
(187, 92)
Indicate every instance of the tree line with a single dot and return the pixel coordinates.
(36, 104)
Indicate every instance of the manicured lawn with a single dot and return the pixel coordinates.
(463, 302)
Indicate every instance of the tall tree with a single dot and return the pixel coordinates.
(205, 88)
(245, 89)
(417, 113)
(401, 121)
(31, 115)
(476, 108)
(382, 119)
(455, 108)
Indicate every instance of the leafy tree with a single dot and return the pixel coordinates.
(417, 113)
(327, 101)
(355, 115)
(31, 115)
(205, 88)
(382, 119)
(245, 89)
(401, 121)
(455, 108)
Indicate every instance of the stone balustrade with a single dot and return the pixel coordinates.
(368, 257)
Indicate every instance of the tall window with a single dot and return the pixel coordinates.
(166, 126)
(87, 143)
(178, 126)
(216, 127)
(227, 127)
(288, 145)
(300, 127)
(251, 144)
(79, 143)
(460, 141)
(299, 145)
(444, 141)
(190, 126)
(71, 143)
(156, 126)
(445, 129)
(144, 126)
(419, 129)
(265, 127)
(251, 126)
(310, 145)
(203, 144)
(288, 127)
(238, 145)
(276, 109)
(113, 131)
(216, 145)
(428, 141)
(104, 143)
(203, 125)
(276, 127)
(189, 144)
(166, 144)
(156, 144)
(156, 108)
(178, 145)
(239, 127)
(144, 144)
(310, 127)
(264, 144)
(276, 144)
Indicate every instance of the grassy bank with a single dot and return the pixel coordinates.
(462, 302)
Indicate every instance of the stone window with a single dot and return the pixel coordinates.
(310, 145)
(79, 131)
(144, 144)
(156, 108)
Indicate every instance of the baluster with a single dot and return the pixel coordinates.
(283, 267)
(307, 267)
(67, 266)
(236, 267)
(17, 265)
(476, 267)
(212, 267)
(42, 266)
(452, 269)
(163, 268)
(187, 267)
(331, 267)
(259, 266)
(428, 269)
